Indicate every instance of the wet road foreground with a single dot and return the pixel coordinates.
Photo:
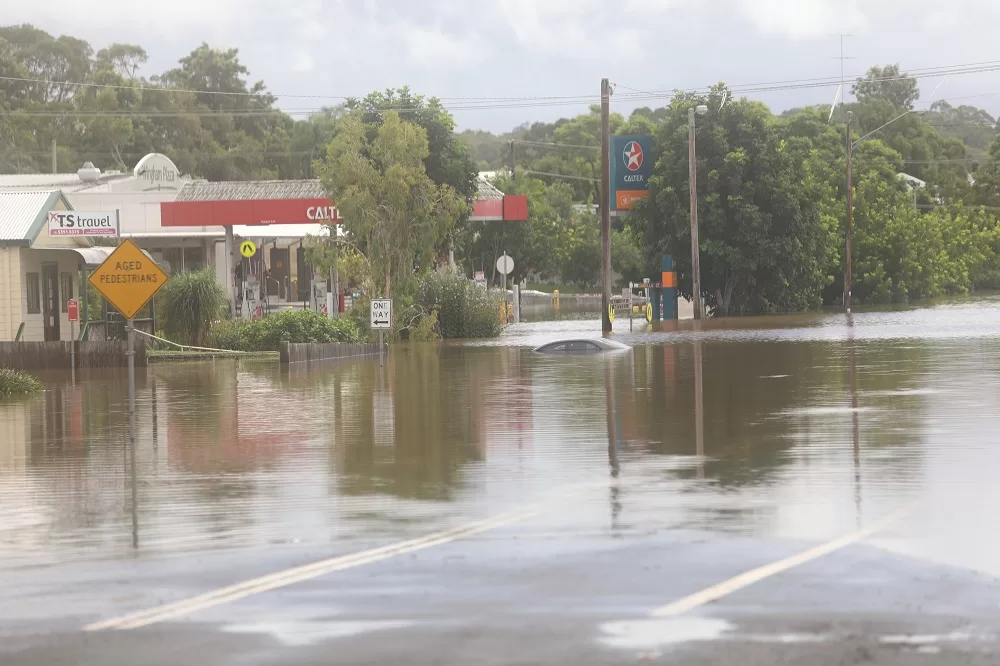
(814, 489)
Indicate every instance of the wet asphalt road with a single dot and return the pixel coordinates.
(480, 505)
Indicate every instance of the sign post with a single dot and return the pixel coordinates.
(381, 321)
(73, 314)
(129, 279)
(505, 265)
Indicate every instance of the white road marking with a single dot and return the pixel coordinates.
(725, 588)
(306, 572)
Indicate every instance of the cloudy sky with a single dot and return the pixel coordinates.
(466, 50)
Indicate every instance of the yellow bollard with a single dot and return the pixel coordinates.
(555, 301)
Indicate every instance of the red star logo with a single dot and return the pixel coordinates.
(633, 156)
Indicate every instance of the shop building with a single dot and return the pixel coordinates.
(39, 272)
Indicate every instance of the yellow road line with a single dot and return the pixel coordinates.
(306, 572)
(725, 588)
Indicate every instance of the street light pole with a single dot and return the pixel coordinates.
(851, 145)
(693, 191)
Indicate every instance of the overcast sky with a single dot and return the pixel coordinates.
(545, 48)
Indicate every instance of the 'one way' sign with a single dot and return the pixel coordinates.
(381, 313)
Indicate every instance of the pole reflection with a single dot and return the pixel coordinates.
(614, 435)
(855, 425)
(699, 409)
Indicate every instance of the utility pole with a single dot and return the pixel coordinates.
(693, 191)
(605, 205)
(513, 160)
(55, 157)
(850, 215)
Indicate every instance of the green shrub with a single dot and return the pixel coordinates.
(464, 309)
(189, 304)
(13, 382)
(289, 326)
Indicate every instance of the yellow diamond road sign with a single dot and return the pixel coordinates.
(128, 279)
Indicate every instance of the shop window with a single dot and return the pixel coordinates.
(172, 258)
(65, 290)
(194, 258)
(33, 284)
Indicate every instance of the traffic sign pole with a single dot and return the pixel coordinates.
(130, 353)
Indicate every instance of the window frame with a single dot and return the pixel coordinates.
(63, 296)
(33, 302)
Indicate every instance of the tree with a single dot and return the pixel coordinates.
(447, 161)
(889, 84)
(391, 207)
(763, 243)
(538, 245)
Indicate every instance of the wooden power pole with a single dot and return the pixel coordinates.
(605, 206)
(850, 216)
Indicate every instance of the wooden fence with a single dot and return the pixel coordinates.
(58, 355)
(318, 351)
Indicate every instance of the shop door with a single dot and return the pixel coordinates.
(305, 275)
(50, 301)
(277, 283)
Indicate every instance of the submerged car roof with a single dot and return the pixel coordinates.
(603, 343)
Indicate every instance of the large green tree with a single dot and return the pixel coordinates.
(890, 84)
(764, 245)
(393, 210)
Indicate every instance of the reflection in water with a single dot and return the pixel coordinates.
(752, 426)
(855, 419)
(613, 418)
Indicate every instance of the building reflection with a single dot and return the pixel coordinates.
(410, 428)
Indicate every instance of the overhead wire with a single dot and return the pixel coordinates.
(499, 102)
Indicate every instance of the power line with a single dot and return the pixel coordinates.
(474, 103)
(558, 175)
(550, 144)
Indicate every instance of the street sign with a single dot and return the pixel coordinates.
(128, 279)
(505, 265)
(73, 310)
(631, 167)
(79, 223)
(248, 249)
(381, 314)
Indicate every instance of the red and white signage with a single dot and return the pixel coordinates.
(253, 212)
(79, 223)
(73, 309)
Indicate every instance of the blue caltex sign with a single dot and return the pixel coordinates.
(631, 167)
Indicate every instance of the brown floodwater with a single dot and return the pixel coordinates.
(799, 426)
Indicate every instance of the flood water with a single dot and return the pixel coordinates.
(798, 427)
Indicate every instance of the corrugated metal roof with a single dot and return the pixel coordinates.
(251, 190)
(67, 182)
(487, 190)
(19, 211)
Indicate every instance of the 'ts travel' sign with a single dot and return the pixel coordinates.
(79, 223)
